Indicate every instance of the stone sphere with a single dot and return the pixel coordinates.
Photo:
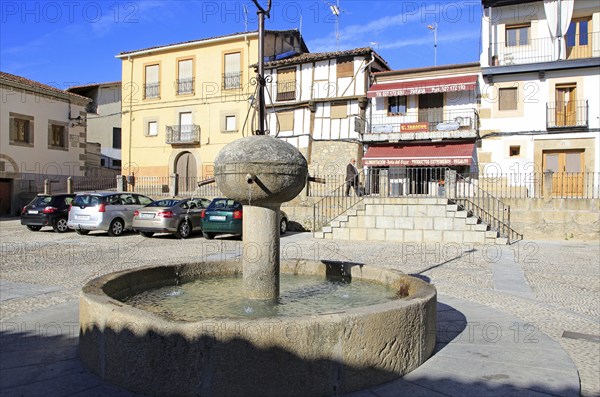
(260, 169)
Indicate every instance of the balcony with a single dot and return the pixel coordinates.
(571, 114)
(232, 80)
(183, 134)
(185, 86)
(544, 50)
(422, 125)
(152, 90)
(286, 91)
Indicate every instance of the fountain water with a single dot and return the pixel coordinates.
(315, 354)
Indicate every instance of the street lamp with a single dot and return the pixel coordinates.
(434, 27)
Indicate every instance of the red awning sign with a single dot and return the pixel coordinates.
(416, 87)
(433, 155)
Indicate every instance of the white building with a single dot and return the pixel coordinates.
(103, 123)
(317, 102)
(540, 106)
(43, 136)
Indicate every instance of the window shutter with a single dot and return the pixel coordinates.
(30, 132)
(152, 74)
(287, 75)
(50, 135)
(345, 67)
(185, 69)
(232, 63)
(12, 128)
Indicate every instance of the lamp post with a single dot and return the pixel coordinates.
(434, 27)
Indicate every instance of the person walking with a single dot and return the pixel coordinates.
(351, 177)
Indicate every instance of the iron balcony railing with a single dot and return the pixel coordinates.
(152, 90)
(232, 80)
(286, 91)
(543, 50)
(424, 124)
(185, 86)
(563, 114)
(182, 134)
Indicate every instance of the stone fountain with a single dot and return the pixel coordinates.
(320, 354)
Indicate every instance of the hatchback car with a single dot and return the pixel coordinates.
(47, 210)
(224, 216)
(108, 211)
(180, 217)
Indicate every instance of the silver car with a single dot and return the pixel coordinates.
(180, 217)
(108, 211)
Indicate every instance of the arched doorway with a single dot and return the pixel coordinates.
(187, 172)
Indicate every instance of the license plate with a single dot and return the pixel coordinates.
(217, 217)
(147, 215)
(82, 217)
(32, 212)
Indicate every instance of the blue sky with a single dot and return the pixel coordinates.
(66, 43)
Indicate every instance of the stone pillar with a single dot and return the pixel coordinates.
(547, 185)
(450, 184)
(121, 183)
(260, 257)
(47, 186)
(70, 185)
(173, 185)
(383, 183)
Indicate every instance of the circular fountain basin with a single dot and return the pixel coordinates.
(311, 355)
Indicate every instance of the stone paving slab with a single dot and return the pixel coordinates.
(10, 290)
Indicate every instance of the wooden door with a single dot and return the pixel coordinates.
(431, 109)
(566, 109)
(187, 172)
(567, 165)
(579, 39)
(5, 196)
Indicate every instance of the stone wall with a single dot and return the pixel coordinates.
(331, 158)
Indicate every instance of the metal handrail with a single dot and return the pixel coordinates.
(481, 204)
(335, 204)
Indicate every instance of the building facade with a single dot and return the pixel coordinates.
(103, 127)
(540, 107)
(317, 102)
(43, 136)
(420, 122)
(183, 102)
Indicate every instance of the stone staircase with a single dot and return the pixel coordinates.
(410, 219)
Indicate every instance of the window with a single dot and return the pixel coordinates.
(230, 123)
(286, 84)
(517, 35)
(152, 83)
(507, 98)
(185, 81)
(57, 135)
(116, 163)
(116, 142)
(21, 129)
(232, 75)
(514, 151)
(286, 121)
(579, 38)
(345, 67)
(339, 110)
(152, 128)
(396, 105)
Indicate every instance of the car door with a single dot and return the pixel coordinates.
(195, 212)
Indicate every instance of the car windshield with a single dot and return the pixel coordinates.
(41, 200)
(87, 200)
(224, 205)
(163, 203)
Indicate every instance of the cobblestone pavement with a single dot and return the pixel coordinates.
(557, 288)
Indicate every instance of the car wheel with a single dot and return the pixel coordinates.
(60, 226)
(116, 228)
(183, 230)
(147, 234)
(82, 232)
(34, 228)
(208, 236)
(283, 226)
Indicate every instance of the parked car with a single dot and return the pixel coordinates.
(224, 216)
(180, 217)
(108, 211)
(47, 210)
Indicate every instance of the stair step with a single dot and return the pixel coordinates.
(491, 234)
(461, 214)
(452, 207)
(482, 227)
(320, 235)
(327, 229)
(335, 223)
(501, 240)
(472, 220)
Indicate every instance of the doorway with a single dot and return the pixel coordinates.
(187, 172)
(567, 167)
(431, 109)
(578, 39)
(566, 109)
(5, 196)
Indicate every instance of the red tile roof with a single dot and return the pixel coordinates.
(27, 83)
(318, 56)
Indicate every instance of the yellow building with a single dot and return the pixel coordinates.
(183, 102)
